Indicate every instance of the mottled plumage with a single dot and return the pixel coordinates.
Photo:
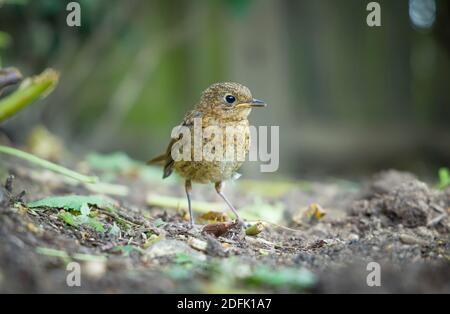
(225, 105)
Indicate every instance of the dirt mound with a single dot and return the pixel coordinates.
(386, 181)
(404, 200)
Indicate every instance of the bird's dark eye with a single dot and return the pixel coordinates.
(230, 99)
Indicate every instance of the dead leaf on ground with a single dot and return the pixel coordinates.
(309, 215)
(219, 228)
(212, 216)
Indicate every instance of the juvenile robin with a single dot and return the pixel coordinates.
(225, 106)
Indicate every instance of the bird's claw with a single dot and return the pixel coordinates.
(241, 223)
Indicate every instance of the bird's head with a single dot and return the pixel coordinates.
(228, 101)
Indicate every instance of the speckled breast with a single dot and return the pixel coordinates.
(205, 171)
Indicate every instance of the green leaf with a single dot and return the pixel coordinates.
(75, 221)
(85, 210)
(97, 225)
(5, 39)
(159, 222)
(29, 91)
(115, 230)
(71, 202)
(69, 219)
(444, 178)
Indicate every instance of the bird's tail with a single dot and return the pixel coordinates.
(161, 159)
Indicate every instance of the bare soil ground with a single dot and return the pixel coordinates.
(392, 219)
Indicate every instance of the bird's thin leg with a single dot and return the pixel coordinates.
(188, 187)
(219, 186)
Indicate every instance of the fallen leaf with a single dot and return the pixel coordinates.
(151, 240)
(218, 228)
(255, 229)
(71, 202)
(309, 215)
(212, 216)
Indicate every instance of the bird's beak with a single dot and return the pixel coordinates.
(258, 103)
(255, 103)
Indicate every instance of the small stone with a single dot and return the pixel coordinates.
(408, 204)
(333, 242)
(353, 237)
(386, 181)
(425, 232)
(215, 248)
(3, 196)
(94, 269)
(411, 240)
(197, 244)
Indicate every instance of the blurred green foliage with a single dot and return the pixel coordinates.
(444, 178)
(349, 97)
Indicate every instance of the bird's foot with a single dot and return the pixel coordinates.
(241, 223)
(193, 227)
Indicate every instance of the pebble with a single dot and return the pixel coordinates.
(214, 247)
(94, 269)
(353, 237)
(197, 244)
(425, 232)
(411, 240)
(3, 196)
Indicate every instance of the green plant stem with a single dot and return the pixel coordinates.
(29, 91)
(48, 165)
